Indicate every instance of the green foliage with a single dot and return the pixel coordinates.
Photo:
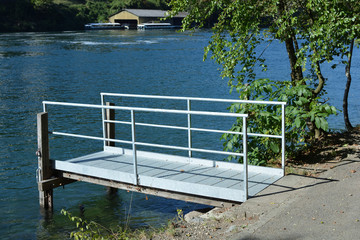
(116, 6)
(313, 32)
(266, 119)
(95, 10)
(94, 231)
(180, 214)
(41, 3)
(27, 15)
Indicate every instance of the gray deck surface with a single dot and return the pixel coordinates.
(199, 177)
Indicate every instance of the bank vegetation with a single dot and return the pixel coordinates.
(63, 15)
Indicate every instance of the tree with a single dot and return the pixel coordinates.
(306, 27)
(41, 3)
(95, 10)
(348, 31)
(347, 87)
(340, 23)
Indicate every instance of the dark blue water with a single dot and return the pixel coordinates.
(77, 66)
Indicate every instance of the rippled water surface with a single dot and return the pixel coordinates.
(77, 66)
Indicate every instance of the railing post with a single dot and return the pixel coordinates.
(110, 133)
(103, 114)
(44, 164)
(246, 194)
(283, 138)
(110, 127)
(133, 139)
(189, 127)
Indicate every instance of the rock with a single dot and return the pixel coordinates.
(231, 229)
(193, 217)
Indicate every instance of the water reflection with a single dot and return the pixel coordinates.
(19, 54)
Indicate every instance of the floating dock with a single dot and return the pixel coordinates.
(210, 182)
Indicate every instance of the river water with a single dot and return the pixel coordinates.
(77, 66)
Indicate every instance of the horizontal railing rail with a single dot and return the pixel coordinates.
(193, 98)
(144, 144)
(174, 127)
(159, 110)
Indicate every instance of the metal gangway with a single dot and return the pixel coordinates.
(184, 177)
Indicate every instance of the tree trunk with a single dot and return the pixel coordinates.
(347, 89)
(321, 79)
(291, 46)
(296, 71)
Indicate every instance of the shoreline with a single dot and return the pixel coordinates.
(338, 157)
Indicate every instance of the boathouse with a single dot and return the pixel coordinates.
(134, 17)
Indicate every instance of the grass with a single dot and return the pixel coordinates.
(91, 230)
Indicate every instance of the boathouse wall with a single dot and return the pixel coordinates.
(124, 15)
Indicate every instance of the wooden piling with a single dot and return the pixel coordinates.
(110, 133)
(44, 164)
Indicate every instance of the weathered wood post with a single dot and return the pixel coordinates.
(44, 164)
(110, 133)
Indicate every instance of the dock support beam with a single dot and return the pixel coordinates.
(44, 164)
(110, 133)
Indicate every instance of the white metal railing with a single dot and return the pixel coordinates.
(190, 129)
(134, 143)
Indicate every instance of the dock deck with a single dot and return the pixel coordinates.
(210, 179)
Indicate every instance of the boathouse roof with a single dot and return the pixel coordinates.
(154, 13)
